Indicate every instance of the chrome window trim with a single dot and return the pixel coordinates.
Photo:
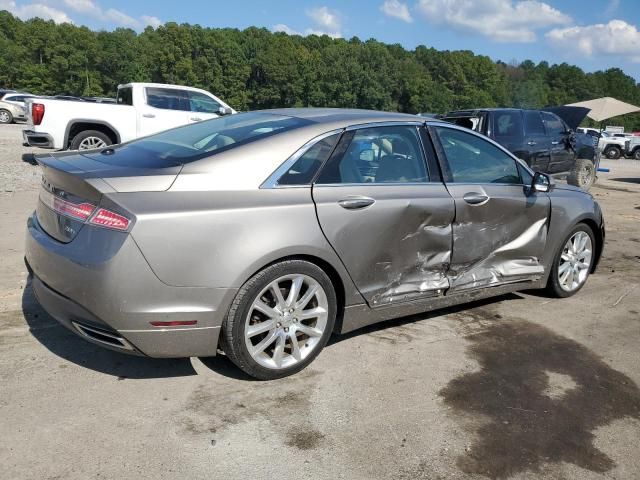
(272, 180)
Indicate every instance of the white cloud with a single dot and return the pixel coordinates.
(500, 20)
(86, 7)
(614, 38)
(121, 18)
(396, 9)
(326, 22)
(151, 21)
(32, 10)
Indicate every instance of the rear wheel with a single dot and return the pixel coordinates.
(5, 116)
(573, 262)
(612, 152)
(280, 320)
(89, 140)
(636, 154)
(583, 174)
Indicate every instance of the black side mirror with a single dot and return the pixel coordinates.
(222, 111)
(541, 182)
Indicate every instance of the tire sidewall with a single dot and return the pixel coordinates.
(554, 280)
(235, 322)
(636, 154)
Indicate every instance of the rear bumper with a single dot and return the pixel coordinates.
(37, 139)
(104, 291)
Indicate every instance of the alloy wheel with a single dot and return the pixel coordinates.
(91, 143)
(4, 117)
(286, 321)
(575, 261)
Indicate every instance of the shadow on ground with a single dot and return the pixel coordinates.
(627, 180)
(544, 396)
(71, 347)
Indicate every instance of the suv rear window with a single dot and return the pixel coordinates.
(199, 140)
(533, 123)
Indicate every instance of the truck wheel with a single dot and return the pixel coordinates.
(89, 140)
(612, 152)
(583, 174)
(636, 154)
(5, 116)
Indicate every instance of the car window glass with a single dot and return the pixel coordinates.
(379, 155)
(199, 102)
(533, 123)
(525, 175)
(304, 169)
(507, 125)
(553, 123)
(472, 159)
(166, 98)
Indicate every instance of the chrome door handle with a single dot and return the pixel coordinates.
(555, 142)
(531, 144)
(475, 198)
(195, 119)
(148, 115)
(355, 203)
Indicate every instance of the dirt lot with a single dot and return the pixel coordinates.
(516, 387)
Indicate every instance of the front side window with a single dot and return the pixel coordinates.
(533, 123)
(167, 98)
(378, 155)
(305, 168)
(553, 123)
(199, 102)
(472, 159)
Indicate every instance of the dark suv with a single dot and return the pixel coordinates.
(545, 139)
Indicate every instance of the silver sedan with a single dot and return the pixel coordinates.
(261, 234)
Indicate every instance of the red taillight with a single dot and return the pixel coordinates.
(109, 219)
(78, 211)
(37, 113)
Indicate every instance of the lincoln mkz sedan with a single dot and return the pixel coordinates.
(261, 234)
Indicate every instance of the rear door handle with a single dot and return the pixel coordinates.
(531, 144)
(355, 203)
(195, 119)
(148, 115)
(475, 198)
(555, 142)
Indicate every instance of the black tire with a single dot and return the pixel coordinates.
(612, 152)
(583, 174)
(80, 137)
(636, 154)
(233, 328)
(553, 284)
(6, 117)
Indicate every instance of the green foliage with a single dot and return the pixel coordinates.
(255, 68)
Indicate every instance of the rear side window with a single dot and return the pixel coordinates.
(507, 125)
(472, 159)
(533, 123)
(125, 96)
(167, 98)
(199, 102)
(305, 168)
(553, 123)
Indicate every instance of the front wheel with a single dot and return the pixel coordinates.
(612, 153)
(583, 174)
(280, 320)
(5, 116)
(573, 262)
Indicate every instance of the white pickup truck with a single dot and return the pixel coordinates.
(141, 109)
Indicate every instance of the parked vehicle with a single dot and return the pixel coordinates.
(632, 147)
(262, 233)
(142, 109)
(4, 91)
(12, 107)
(544, 140)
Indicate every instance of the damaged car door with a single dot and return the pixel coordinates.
(389, 223)
(500, 227)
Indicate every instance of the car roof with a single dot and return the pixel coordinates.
(347, 116)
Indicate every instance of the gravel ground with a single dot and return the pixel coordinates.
(515, 387)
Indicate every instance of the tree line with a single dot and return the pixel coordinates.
(256, 68)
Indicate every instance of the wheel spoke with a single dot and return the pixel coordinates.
(313, 313)
(563, 268)
(294, 291)
(312, 332)
(295, 348)
(261, 327)
(275, 289)
(279, 350)
(308, 295)
(268, 340)
(264, 308)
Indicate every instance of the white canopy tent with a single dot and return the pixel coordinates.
(606, 107)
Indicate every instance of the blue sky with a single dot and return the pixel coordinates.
(594, 34)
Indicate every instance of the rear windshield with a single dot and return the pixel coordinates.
(199, 140)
